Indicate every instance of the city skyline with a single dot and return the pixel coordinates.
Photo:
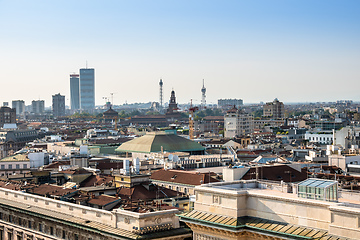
(256, 51)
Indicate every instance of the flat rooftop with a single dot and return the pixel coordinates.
(346, 198)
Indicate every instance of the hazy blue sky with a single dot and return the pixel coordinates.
(255, 50)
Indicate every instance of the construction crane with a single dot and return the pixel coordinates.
(192, 110)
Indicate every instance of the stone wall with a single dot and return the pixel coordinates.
(117, 218)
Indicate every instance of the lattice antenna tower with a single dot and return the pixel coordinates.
(203, 95)
(161, 93)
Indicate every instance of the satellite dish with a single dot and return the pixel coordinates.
(170, 157)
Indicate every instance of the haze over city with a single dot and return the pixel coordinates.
(297, 51)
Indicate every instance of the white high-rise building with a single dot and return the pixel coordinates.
(238, 123)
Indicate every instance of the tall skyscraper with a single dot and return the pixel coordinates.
(38, 106)
(75, 91)
(58, 105)
(87, 88)
(19, 105)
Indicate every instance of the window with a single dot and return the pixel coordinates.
(29, 224)
(2, 166)
(63, 234)
(17, 166)
(10, 166)
(10, 218)
(40, 227)
(25, 166)
(51, 231)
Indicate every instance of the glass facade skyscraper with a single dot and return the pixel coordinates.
(75, 91)
(87, 88)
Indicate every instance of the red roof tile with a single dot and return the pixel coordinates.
(46, 189)
(182, 177)
(140, 192)
(102, 200)
(96, 180)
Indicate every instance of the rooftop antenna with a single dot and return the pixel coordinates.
(203, 95)
(86, 64)
(112, 98)
(161, 93)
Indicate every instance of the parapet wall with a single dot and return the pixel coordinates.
(118, 218)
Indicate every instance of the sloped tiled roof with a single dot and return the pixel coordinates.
(16, 158)
(182, 177)
(266, 226)
(46, 189)
(76, 171)
(232, 110)
(103, 200)
(57, 164)
(96, 180)
(276, 173)
(155, 142)
(140, 192)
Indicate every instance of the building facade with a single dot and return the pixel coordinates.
(19, 105)
(87, 88)
(15, 164)
(58, 105)
(238, 123)
(264, 210)
(274, 109)
(321, 137)
(229, 103)
(28, 216)
(75, 91)
(14, 140)
(7, 115)
(38, 106)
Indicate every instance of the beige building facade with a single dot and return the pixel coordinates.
(238, 123)
(274, 109)
(262, 210)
